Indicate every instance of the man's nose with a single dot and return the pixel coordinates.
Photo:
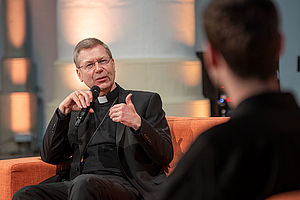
(98, 66)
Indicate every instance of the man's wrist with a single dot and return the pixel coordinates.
(62, 115)
(137, 129)
(138, 124)
(63, 110)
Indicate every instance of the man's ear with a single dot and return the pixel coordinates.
(113, 64)
(280, 44)
(79, 74)
(212, 62)
(210, 56)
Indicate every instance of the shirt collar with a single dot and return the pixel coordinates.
(111, 96)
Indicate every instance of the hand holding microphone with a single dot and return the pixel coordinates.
(84, 111)
(79, 100)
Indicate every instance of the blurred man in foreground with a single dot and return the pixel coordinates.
(256, 153)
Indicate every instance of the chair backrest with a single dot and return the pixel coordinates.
(292, 195)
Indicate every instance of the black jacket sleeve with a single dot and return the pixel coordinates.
(154, 135)
(56, 148)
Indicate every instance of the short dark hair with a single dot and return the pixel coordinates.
(246, 34)
(87, 44)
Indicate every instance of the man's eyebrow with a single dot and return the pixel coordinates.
(90, 61)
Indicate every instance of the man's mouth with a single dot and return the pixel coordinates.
(103, 78)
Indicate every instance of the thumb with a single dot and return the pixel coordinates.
(128, 99)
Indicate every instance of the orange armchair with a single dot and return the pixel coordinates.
(291, 195)
(17, 173)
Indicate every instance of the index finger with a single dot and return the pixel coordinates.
(90, 94)
(87, 97)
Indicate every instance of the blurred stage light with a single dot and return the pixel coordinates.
(17, 69)
(16, 21)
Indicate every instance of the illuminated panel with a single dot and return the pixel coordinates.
(17, 69)
(80, 20)
(191, 73)
(200, 108)
(20, 112)
(197, 108)
(16, 21)
(182, 21)
(70, 78)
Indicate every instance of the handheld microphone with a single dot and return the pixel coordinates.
(84, 111)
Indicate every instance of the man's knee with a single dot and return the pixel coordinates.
(89, 186)
(85, 181)
(84, 187)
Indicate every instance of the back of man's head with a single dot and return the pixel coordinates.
(246, 34)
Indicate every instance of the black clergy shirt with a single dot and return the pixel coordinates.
(101, 156)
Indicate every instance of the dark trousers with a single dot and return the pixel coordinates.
(85, 186)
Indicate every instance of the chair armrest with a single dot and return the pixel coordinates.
(291, 195)
(19, 172)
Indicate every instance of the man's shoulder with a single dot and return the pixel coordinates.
(141, 93)
(146, 93)
(136, 92)
(227, 134)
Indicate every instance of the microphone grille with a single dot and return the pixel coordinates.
(95, 91)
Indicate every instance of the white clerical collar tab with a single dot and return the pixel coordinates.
(102, 99)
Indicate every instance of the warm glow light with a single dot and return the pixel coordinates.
(200, 108)
(183, 23)
(70, 78)
(196, 108)
(16, 21)
(17, 69)
(81, 19)
(20, 112)
(191, 73)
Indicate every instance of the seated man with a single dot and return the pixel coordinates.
(121, 148)
(256, 153)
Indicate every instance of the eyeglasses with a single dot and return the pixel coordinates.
(92, 65)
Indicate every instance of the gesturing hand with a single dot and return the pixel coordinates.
(75, 101)
(126, 114)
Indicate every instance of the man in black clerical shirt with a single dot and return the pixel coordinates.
(256, 153)
(122, 148)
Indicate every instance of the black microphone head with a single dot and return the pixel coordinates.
(95, 91)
